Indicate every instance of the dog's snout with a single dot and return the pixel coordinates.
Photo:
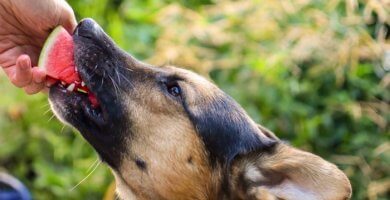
(88, 28)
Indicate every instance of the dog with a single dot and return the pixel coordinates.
(168, 133)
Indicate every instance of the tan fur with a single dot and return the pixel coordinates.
(286, 166)
(177, 164)
(166, 140)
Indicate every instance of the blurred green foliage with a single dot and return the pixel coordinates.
(314, 72)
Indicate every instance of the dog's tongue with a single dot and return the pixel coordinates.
(57, 58)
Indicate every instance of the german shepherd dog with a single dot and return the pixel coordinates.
(168, 133)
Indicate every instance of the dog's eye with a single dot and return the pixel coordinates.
(174, 90)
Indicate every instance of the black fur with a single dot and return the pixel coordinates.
(98, 58)
(226, 130)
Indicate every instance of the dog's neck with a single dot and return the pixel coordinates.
(219, 187)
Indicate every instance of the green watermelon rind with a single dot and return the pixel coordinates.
(43, 56)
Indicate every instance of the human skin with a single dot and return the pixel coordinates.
(24, 27)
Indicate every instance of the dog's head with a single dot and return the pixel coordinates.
(169, 133)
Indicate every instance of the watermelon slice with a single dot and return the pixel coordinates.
(57, 59)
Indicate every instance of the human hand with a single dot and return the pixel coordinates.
(24, 27)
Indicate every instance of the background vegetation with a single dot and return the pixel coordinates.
(315, 72)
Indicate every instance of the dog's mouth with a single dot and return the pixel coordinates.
(79, 103)
(97, 110)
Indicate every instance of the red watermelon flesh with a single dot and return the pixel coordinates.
(57, 59)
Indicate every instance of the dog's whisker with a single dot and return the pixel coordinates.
(112, 79)
(117, 76)
(125, 68)
(94, 69)
(51, 118)
(116, 87)
(93, 165)
(47, 111)
(104, 76)
(62, 129)
(127, 80)
(85, 178)
(45, 105)
(116, 83)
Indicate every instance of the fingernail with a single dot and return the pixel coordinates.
(24, 67)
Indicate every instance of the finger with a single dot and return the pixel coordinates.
(34, 88)
(23, 73)
(68, 19)
(38, 75)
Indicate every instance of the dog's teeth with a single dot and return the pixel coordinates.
(63, 83)
(71, 87)
(82, 91)
(82, 83)
(75, 69)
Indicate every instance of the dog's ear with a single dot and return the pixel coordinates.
(287, 173)
(267, 132)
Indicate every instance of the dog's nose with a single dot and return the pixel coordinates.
(88, 28)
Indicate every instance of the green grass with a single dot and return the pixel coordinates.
(311, 71)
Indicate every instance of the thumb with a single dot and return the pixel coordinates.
(67, 17)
